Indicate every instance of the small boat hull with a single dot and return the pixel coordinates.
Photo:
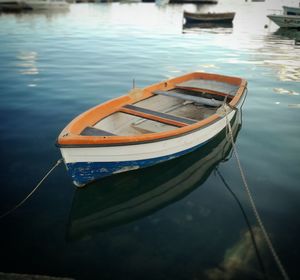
(90, 164)
(216, 18)
(127, 134)
(85, 172)
(13, 6)
(32, 5)
(193, 2)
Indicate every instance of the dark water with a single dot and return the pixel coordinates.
(175, 221)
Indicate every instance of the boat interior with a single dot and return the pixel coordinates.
(186, 103)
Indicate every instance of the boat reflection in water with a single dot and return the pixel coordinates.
(128, 196)
(291, 33)
(207, 26)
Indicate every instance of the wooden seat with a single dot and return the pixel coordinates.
(157, 116)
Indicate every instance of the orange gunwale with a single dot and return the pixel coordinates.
(70, 136)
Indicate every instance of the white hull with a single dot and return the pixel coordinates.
(88, 164)
(286, 21)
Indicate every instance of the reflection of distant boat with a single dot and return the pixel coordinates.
(288, 32)
(207, 25)
(289, 19)
(128, 196)
(291, 33)
(212, 18)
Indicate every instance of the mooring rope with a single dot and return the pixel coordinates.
(31, 193)
(259, 258)
(255, 211)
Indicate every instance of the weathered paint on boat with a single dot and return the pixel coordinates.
(92, 157)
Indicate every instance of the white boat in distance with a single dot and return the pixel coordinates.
(291, 11)
(289, 19)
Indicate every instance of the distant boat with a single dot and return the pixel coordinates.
(193, 1)
(130, 1)
(291, 11)
(13, 6)
(46, 4)
(285, 21)
(289, 19)
(21, 5)
(148, 126)
(208, 17)
(130, 196)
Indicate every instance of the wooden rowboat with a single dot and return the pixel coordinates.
(150, 125)
(208, 17)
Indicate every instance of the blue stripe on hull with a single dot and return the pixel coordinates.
(83, 173)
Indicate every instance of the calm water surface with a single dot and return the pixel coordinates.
(175, 221)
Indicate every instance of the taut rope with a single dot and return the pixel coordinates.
(31, 193)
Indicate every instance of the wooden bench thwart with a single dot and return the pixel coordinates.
(157, 116)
